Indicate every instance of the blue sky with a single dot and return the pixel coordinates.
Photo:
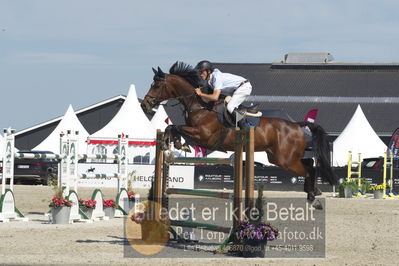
(56, 53)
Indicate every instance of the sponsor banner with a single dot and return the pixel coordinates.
(92, 169)
(142, 175)
(221, 177)
(179, 176)
(375, 177)
(102, 182)
(214, 177)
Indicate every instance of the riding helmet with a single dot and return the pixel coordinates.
(204, 65)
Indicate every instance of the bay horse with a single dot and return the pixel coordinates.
(282, 140)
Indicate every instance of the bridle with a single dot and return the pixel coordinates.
(155, 99)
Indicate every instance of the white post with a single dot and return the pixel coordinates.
(122, 163)
(8, 210)
(73, 160)
(122, 198)
(62, 170)
(8, 159)
(64, 173)
(3, 160)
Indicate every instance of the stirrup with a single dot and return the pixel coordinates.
(244, 113)
(258, 114)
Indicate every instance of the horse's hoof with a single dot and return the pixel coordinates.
(177, 144)
(317, 191)
(311, 197)
(185, 148)
(317, 205)
(165, 146)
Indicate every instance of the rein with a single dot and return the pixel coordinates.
(181, 97)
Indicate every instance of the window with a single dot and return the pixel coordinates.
(99, 149)
(142, 159)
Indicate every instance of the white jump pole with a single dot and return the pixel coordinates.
(8, 210)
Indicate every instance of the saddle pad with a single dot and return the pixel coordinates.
(248, 121)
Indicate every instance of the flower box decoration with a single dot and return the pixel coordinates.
(378, 190)
(60, 209)
(253, 237)
(87, 207)
(109, 207)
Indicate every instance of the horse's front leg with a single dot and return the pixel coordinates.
(173, 134)
(167, 137)
(176, 138)
(187, 132)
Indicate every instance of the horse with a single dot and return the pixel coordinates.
(283, 141)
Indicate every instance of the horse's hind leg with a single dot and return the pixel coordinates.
(310, 181)
(305, 168)
(310, 178)
(308, 163)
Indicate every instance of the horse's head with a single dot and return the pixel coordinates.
(157, 92)
(179, 84)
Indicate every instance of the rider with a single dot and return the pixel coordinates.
(225, 84)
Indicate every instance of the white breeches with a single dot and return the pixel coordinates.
(239, 96)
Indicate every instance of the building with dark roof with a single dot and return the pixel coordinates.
(335, 89)
(297, 84)
(93, 118)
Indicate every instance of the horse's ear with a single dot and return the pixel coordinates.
(160, 72)
(155, 72)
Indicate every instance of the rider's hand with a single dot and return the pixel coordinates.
(198, 91)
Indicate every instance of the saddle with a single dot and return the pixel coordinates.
(244, 120)
(245, 110)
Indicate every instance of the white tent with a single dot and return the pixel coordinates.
(161, 119)
(129, 121)
(69, 122)
(357, 137)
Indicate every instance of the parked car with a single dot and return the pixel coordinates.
(37, 170)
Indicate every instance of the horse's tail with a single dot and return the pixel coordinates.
(321, 149)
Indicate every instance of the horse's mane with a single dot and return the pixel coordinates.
(187, 72)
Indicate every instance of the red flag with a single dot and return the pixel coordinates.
(167, 120)
(311, 115)
(393, 145)
(199, 151)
